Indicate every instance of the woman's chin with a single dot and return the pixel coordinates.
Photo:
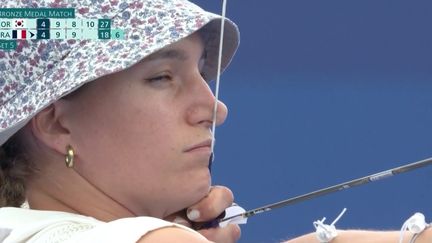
(200, 191)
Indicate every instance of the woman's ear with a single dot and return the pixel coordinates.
(49, 127)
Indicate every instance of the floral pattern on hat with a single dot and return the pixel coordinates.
(40, 72)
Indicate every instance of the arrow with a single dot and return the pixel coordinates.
(331, 189)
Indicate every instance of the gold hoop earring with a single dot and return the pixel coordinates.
(69, 159)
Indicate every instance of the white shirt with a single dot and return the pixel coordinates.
(18, 225)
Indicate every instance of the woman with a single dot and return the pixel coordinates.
(105, 139)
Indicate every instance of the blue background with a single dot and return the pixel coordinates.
(321, 92)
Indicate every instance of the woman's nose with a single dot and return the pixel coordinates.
(222, 113)
(203, 104)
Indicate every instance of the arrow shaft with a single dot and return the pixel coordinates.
(335, 188)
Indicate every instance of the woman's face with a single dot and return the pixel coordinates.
(142, 136)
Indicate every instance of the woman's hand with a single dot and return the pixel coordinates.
(207, 209)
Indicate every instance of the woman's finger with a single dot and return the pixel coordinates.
(179, 218)
(210, 207)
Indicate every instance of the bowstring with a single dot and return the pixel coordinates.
(219, 67)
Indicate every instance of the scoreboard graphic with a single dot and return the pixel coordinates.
(51, 23)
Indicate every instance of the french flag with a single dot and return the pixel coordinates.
(19, 34)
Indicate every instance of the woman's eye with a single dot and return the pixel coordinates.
(160, 78)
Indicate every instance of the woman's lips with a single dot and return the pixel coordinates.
(204, 146)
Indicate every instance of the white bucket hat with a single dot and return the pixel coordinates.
(39, 72)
